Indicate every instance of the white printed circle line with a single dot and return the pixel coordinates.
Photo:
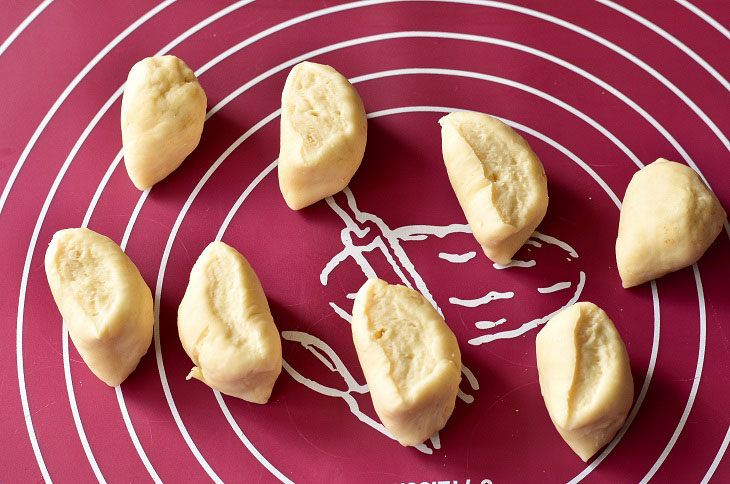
(654, 353)
(34, 238)
(158, 293)
(246, 442)
(75, 411)
(670, 38)
(270, 167)
(490, 40)
(561, 62)
(706, 17)
(718, 458)
(570, 26)
(656, 336)
(655, 341)
(117, 94)
(117, 390)
(525, 11)
(636, 61)
(23, 25)
(458, 2)
(695, 380)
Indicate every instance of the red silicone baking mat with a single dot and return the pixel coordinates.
(597, 88)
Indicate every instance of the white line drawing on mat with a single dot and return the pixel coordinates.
(388, 243)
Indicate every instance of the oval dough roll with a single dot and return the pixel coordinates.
(499, 181)
(585, 377)
(163, 111)
(410, 358)
(103, 299)
(323, 134)
(226, 327)
(668, 220)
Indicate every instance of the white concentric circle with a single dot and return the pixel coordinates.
(23, 25)
(704, 16)
(716, 461)
(670, 38)
(77, 146)
(54, 187)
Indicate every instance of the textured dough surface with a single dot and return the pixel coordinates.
(163, 110)
(410, 358)
(585, 377)
(668, 220)
(226, 327)
(103, 299)
(323, 134)
(499, 181)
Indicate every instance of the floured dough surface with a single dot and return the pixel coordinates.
(163, 111)
(103, 299)
(323, 134)
(410, 358)
(668, 220)
(226, 327)
(499, 181)
(585, 377)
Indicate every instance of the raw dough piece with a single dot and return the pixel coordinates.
(585, 377)
(668, 220)
(499, 181)
(163, 110)
(103, 299)
(323, 134)
(410, 359)
(226, 327)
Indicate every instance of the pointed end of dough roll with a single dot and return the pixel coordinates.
(195, 373)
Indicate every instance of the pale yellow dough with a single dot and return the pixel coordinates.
(226, 327)
(103, 299)
(323, 134)
(499, 181)
(668, 220)
(410, 359)
(585, 377)
(163, 110)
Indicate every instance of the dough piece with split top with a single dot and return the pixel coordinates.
(103, 299)
(410, 358)
(226, 327)
(585, 377)
(323, 134)
(499, 181)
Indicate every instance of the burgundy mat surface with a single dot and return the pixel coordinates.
(597, 89)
